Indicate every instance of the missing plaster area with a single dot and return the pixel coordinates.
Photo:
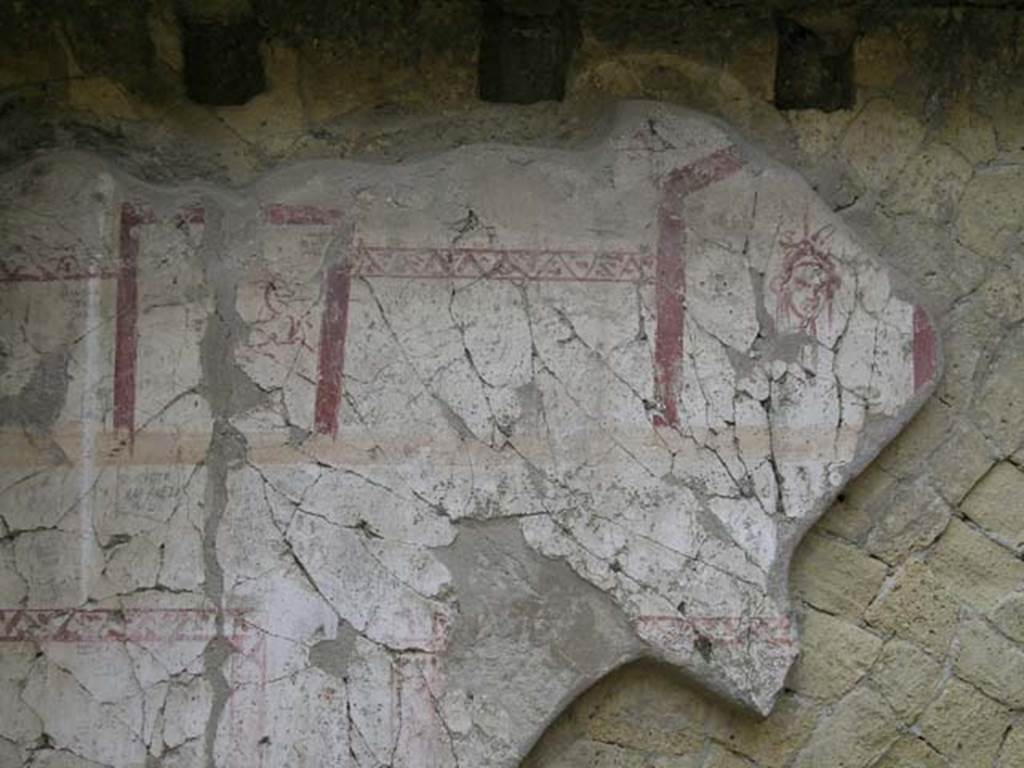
(222, 60)
(814, 67)
(525, 50)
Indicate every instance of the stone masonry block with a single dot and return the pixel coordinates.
(909, 519)
(998, 411)
(991, 662)
(835, 576)
(1012, 753)
(918, 608)
(995, 503)
(835, 656)
(1008, 616)
(964, 725)
(880, 141)
(769, 742)
(910, 751)
(907, 678)
(858, 731)
(991, 212)
(975, 568)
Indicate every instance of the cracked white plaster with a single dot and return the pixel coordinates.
(383, 464)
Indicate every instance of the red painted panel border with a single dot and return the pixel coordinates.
(925, 349)
(667, 272)
(333, 329)
(102, 625)
(671, 271)
(127, 318)
(70, 267)
(333, 321)
(668, 330)
(542, 265)
(281, 214)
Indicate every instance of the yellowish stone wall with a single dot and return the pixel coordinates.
(911, 590)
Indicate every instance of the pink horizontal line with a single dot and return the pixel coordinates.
(774, 630)
(498, 251)
(119, 638)
(56, 625)
(233, 612)
(56, 277)
(510, 276)
(718, 620)
(281, 214)
(504, 264)
(132, 215)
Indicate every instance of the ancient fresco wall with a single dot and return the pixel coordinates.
(287, 413)
(906, 592)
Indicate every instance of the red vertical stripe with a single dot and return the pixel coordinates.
(925, 349)
(333, 327)
(670, 271)
(670, 289)
(127, 338)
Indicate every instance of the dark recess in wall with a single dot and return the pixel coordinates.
(525, 50)
(812, 70)
(222, 60)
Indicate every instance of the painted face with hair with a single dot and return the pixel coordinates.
(808, 282)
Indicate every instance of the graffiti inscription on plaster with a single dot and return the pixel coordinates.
(512, 417)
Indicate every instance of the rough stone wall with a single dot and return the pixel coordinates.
(911, 587)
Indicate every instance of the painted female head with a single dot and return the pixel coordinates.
(808, 281)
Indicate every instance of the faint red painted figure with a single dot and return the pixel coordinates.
(808, 282)
(275, 326)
